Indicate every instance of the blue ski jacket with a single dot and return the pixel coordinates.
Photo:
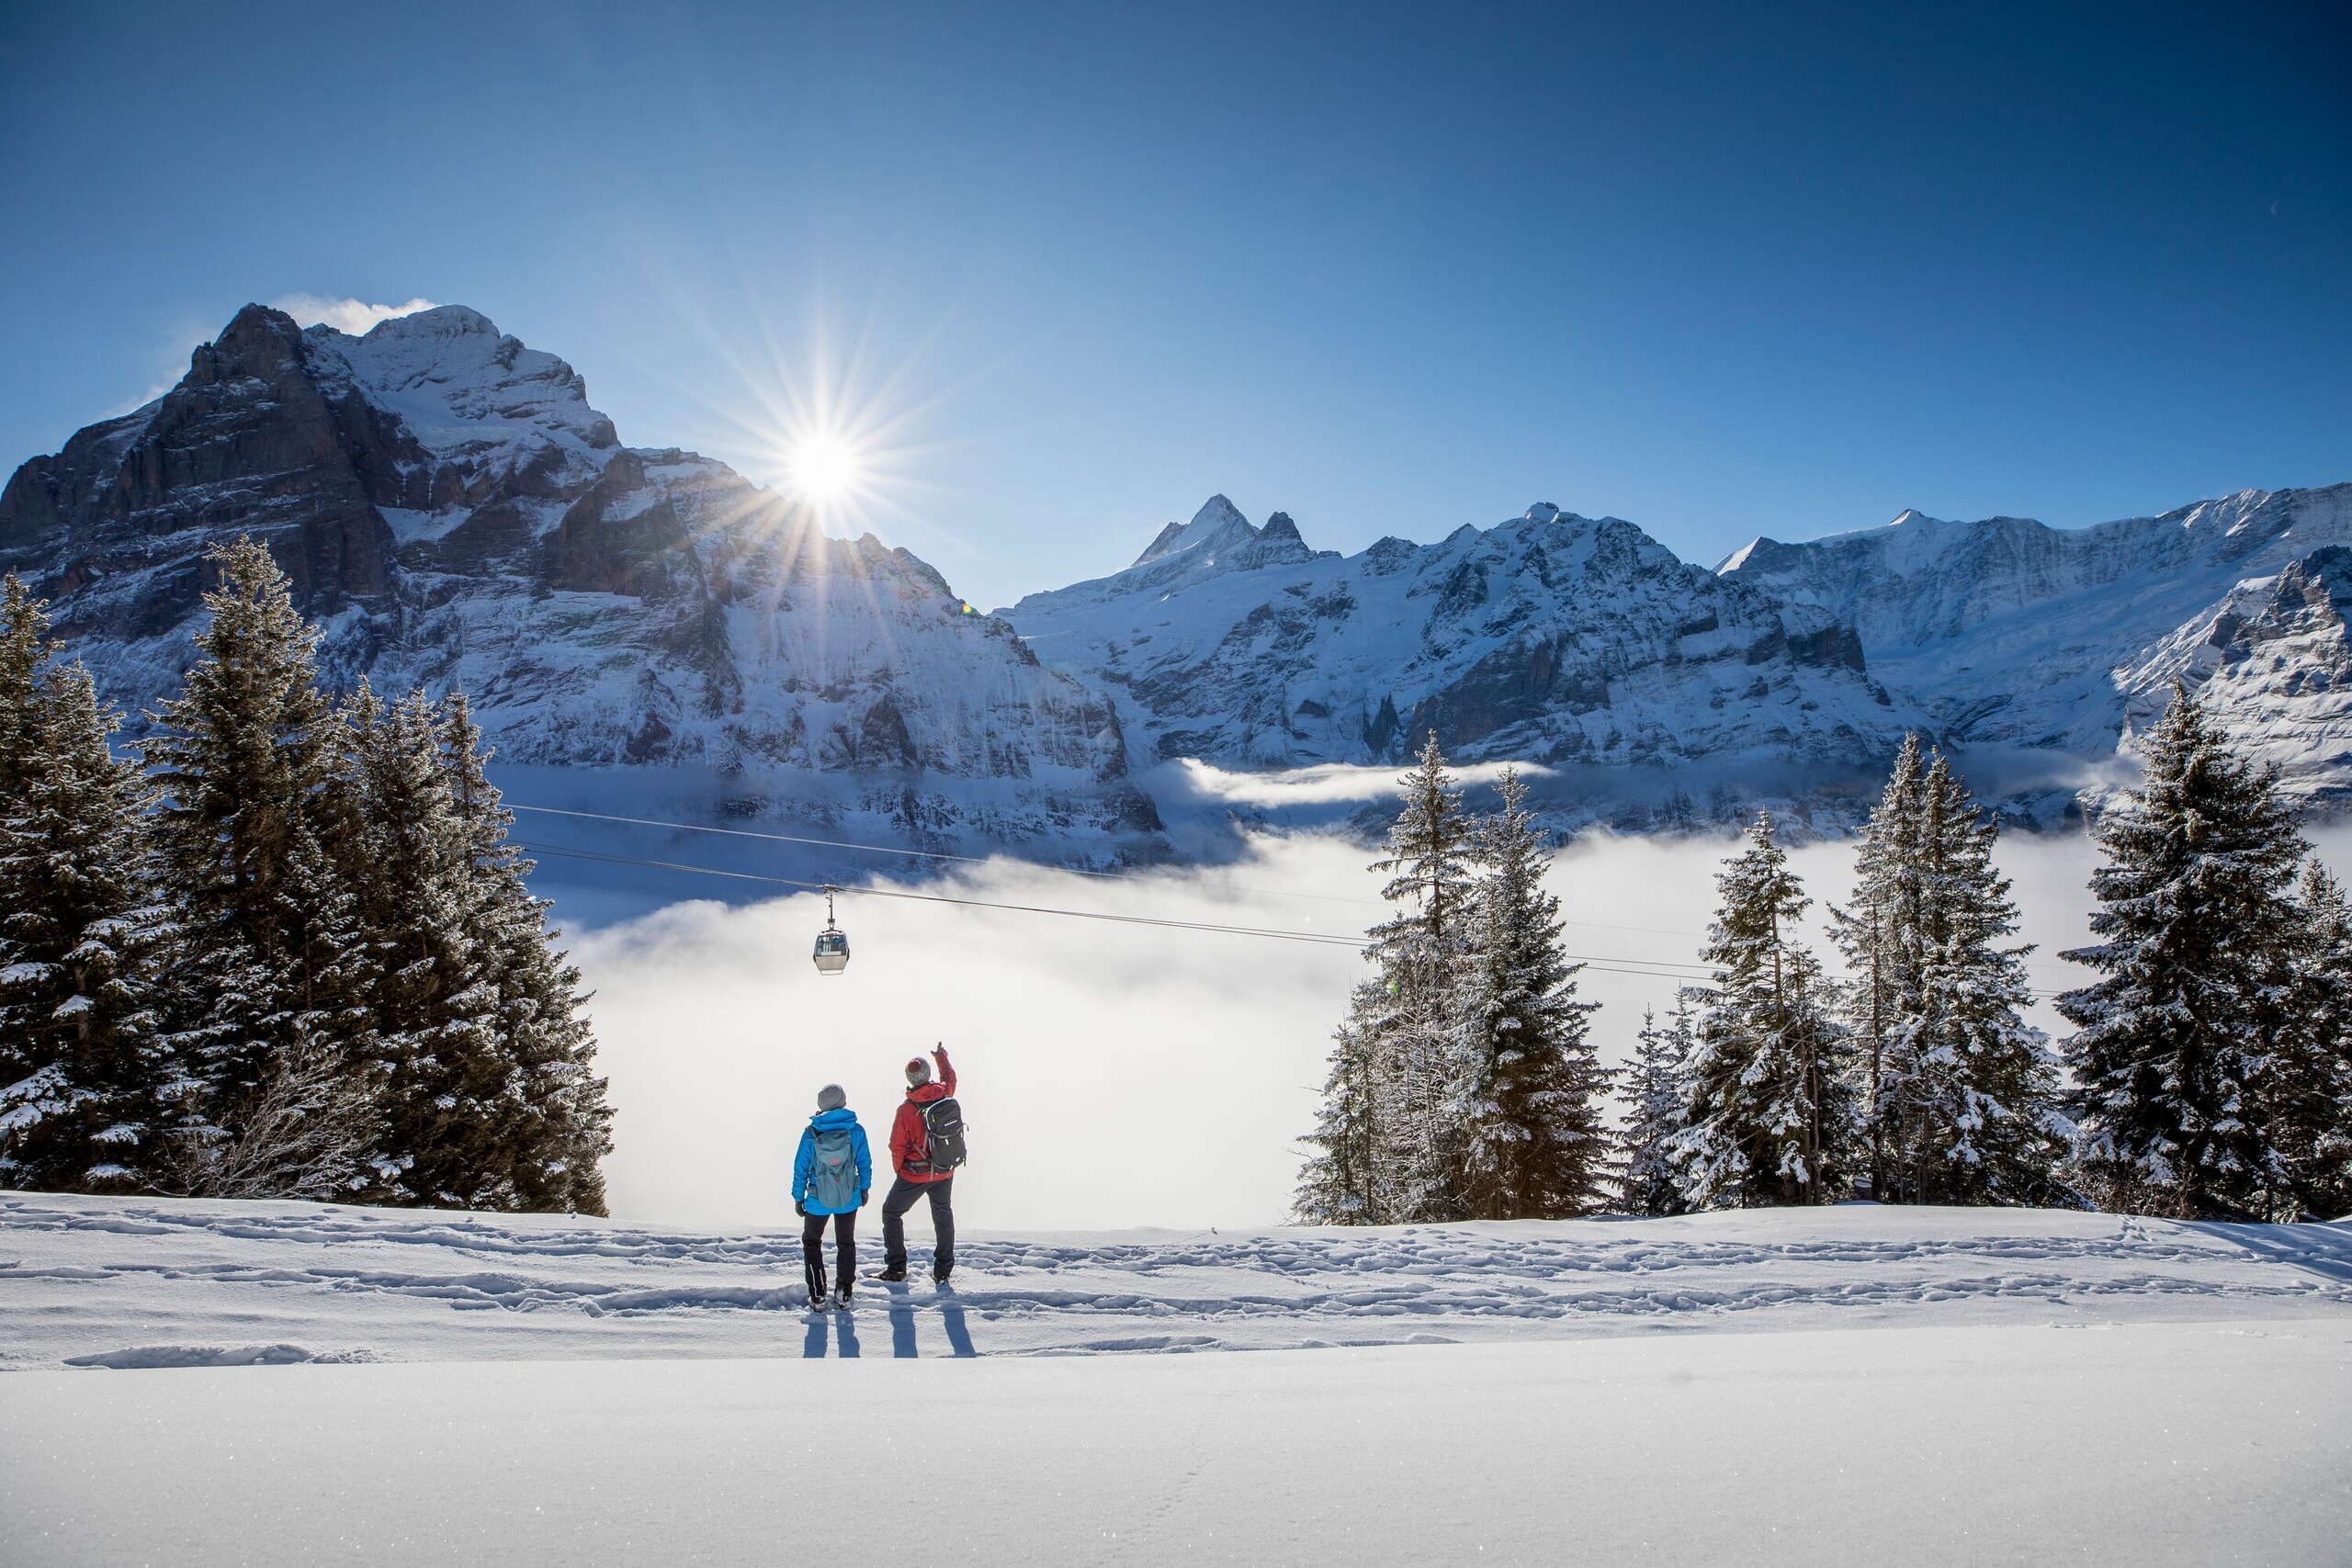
(804, 1164)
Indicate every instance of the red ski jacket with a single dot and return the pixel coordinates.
(910, 1144)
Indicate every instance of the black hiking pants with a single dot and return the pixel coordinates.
(812, 1250)
(902, 1197)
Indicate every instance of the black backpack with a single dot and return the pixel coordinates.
(942, 1134)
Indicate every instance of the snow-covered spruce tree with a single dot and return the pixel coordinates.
(1870, 933)
(1770, 1119)
(434, 998)
(1655, 1093)
(1522, 1106)
(555, 1127)
(1966, 1104)
(250, 832)
(1382, 1157)
(1418, 954)
(2308, 1092)
(89, 1085)
(2172, 1043)
(1337, 1185)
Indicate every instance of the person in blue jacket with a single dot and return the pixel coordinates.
(831, 1175)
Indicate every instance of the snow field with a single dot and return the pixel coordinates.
(1972, 1386)
(2148, 1443)
(159, 1281)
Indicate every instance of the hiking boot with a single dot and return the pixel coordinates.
(939, 1275)
(841, 1299)
(895, 1274)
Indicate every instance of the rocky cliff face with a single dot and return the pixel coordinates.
(1572, 641)
(2013, 634)
(452, 512)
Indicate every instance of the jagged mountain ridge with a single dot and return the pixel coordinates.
(1562, 639)
(2016, 634)
(452, 512)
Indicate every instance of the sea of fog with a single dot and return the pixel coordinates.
(1115, 1075)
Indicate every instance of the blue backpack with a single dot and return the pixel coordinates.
(833, 1184)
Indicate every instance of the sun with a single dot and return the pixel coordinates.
(823, 468)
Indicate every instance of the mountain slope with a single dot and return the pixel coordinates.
(2017, 634)
(1571, 641)
(452, 511)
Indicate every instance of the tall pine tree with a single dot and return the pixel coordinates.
(1770, 1119)
(2308, 1093)
(1656, 1091)
(89, 1087)
(1965, 1106)
(433, 998)
(1384, 1154)
(251, 834)
(2173, 1044)
(1340, 1183)
(1870, 929)
(1521, 1111)
(555, 1126)
(1418, 954)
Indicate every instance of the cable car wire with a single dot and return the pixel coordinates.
(992, 860)
(1678, 970)
(1605, 966)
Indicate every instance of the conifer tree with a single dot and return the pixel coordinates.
(88, 1085)
(1869, 930)
(1655, 1094)
(1418, 952)
(1337, 1185)
(1521, 1111)
(1965, 1106)
(251, 834)
(1381, 1156)
(433, 998)
(2309, 1097)
(1771, 1120)
(555, 1126)
(2173, 1044)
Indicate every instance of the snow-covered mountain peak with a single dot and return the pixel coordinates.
(462, 385)
(1215, 513)
(1579, 643)
(441, 321)
(2068, 640)
(1217, 541)
(453, 513)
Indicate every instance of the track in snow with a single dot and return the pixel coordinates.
(160, 1283)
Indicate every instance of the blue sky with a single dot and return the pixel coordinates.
(1721, 270)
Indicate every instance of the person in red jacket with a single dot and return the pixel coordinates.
(911, 1155)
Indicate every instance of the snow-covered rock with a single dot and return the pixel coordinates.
(2016, 634)
(1571, 641)
(452, 512)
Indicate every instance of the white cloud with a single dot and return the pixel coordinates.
(346, 315)
(1326, 784)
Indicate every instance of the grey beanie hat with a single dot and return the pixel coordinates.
(832, 1097)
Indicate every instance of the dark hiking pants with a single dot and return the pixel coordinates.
(812, 1250)
(902, 1197)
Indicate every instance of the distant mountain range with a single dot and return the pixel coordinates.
(452, 512)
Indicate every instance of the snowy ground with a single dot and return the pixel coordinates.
(144, 1282)
(1848, 1386)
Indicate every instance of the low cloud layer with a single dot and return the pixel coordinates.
(1115, 1074)
(345, 315)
